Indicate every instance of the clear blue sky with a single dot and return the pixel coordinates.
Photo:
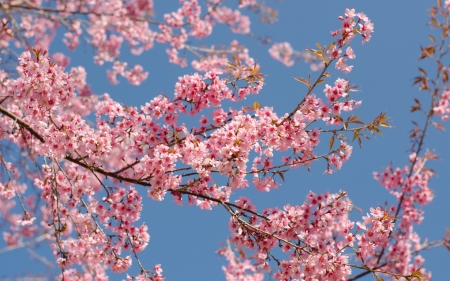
(184, 239)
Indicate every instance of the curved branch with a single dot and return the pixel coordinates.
(22, 123)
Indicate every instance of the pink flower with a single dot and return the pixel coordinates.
(334, 53)
(282, 52)
(340, 64)
(121, 264)
(349, 53)
(27, 221)
(204, 204)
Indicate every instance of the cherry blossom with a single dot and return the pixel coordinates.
(95, 158)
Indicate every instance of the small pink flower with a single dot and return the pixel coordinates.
(349, 53)
(26, 221)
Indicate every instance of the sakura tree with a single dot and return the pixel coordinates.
(79, 168)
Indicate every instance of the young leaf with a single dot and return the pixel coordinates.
(331, 142)
(377, 130)
(330, 46)
(432, 38)
(423, 72)
(302, 80)
(355, 134)
(281, 175)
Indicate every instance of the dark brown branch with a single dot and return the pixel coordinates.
(21, 123)
(106, 173)
(218, 201)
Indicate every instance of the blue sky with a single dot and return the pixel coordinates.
(184, 239)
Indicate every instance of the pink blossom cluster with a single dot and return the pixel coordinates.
(237, 22)
(328, 112)
(341, 60)
(218, 59)
(89, 172)
(443, 107)
(317, 236)
(95, 244)
(239, 268)
(399, 182)
(97, 270)
(319, 239)
(154, 141)
(135, 76)
(112, 23)
(6, 33)
(352, 24)
(313, 234)
(245, 3)
(351, 27)
(199, 95)
(175, 59)
(214, 63)
(282, 52)
(412, 191)
(40, 28)
(21, 226)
